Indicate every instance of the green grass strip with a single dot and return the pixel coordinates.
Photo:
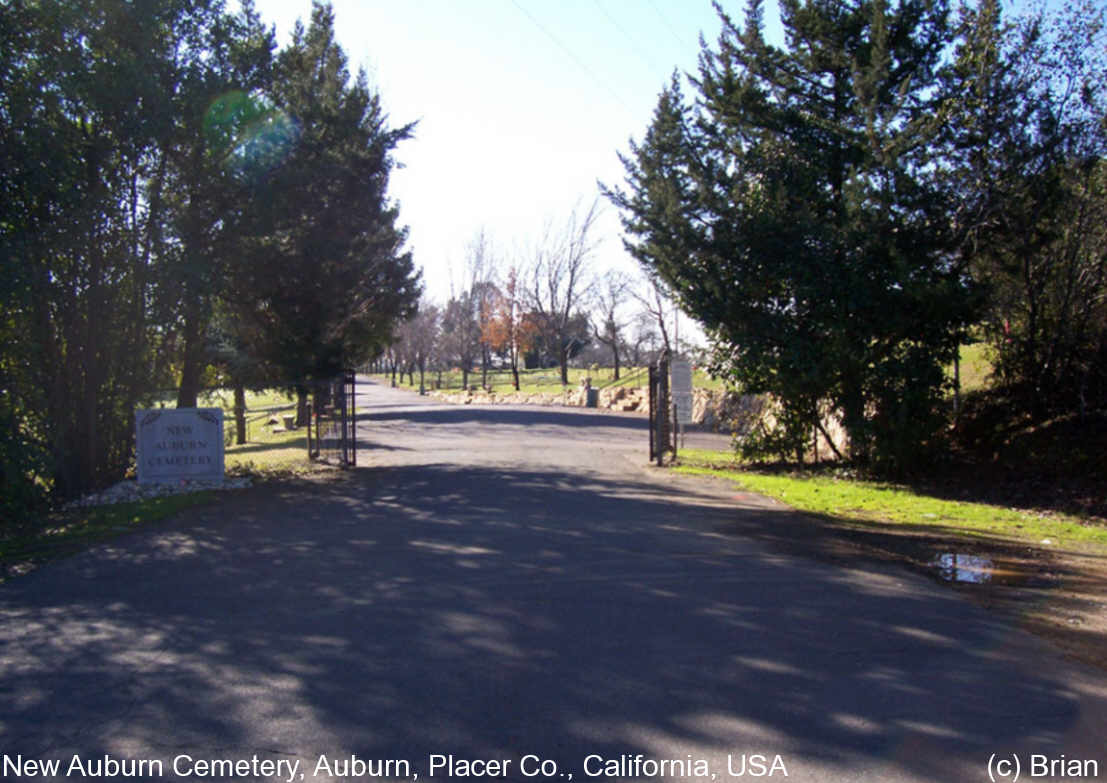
(857, 501)
(67, 532)
(545, 381)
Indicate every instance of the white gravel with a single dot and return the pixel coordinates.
(127, 491)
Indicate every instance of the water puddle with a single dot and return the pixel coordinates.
(956, 567)
(963, 568)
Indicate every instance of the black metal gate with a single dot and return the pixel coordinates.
(332, 423)
(661, 428)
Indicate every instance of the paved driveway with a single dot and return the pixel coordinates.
(513, 584)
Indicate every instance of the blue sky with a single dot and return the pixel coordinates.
(522, 106)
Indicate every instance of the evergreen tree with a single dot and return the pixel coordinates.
(1026, 140)
(795, 212)
(212, 113)
(90, 119)
(326, 274)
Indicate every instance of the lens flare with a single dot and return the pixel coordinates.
(248, 134)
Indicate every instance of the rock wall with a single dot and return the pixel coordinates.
(622, 398)
(628, 400)
(719, 411)
(742, 414)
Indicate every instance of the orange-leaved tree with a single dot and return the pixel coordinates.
(510, 331)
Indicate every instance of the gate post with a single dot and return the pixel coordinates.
(310, 416)
(350, 414)
(341, 384)
(653, 412)
(662, 409)
(318, 434)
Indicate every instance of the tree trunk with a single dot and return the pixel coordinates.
(615, 353)
(830, 442)
(91, 436)
(853, 419)
(302, 419)
(192, 361)
(322, 397)
(957, 384)
(239, 414)
(563, 361)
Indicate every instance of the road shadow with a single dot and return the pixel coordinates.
(491, 613)
(498, 415)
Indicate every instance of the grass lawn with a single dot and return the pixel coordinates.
(269, 453)
(976, 367)
(267, 400)
(224, 398)
(266, 453)
(857, 502)
(547, 380)
(68, 532)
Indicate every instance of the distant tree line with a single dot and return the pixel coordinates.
(183, 204)
(546, 306)
(843, 211)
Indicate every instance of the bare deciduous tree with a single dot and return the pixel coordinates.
(483, 294)
(607, 327)
(460, 334)
(658, 306)
(418, 341)
(643, 345)
(560, 279)
(466, 317)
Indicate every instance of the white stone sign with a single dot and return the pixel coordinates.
(680, 373)
(683, 403)
(179, 443)
(680, 385)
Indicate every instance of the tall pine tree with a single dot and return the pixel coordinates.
(1026, 149)
(327, 274)
(794, 213)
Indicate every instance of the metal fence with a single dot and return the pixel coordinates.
(663, 425)
(332, 421)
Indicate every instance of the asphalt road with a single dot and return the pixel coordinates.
(514, 585)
